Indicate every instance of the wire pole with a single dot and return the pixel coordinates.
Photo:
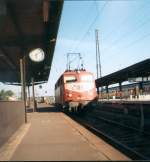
(96, 55)
(33, 94)
(98, 59)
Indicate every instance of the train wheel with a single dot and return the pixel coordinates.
(76, 109)
(66, 109)
(72, 109)
(80, 107)
(69, 109)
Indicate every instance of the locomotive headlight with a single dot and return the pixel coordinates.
(70, 95)
(91, 93)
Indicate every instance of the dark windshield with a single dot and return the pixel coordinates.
(68, 79)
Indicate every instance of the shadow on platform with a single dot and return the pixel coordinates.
(47, 109)
(29, 110)
(43, 108)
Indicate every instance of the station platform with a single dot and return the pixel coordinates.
(51, 135)
(125, 101)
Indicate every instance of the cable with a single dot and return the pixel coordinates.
(133, 31)
(122, 23)
(134, 42)
(137, 40)
(90, 26)
(87, 15)
(129, 33)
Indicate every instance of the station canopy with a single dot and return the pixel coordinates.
(26, 25)
(141, 69)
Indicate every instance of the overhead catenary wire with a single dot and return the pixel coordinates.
(137, 40)
(131, 32)
(90, 26)
(126, 35)
(82, 26)
(118, 27)
(134, 42)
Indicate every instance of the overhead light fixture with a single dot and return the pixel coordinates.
(52, 40)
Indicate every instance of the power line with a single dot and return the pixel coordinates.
(134, 42)
(90, 26)
(137, 40)
(87, 15)
(133, 31)
(123, 22)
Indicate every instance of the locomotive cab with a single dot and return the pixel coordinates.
(79, 89)
(75, 89)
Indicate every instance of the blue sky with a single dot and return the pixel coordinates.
(124, 34)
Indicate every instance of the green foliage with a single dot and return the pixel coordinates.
(4, 95)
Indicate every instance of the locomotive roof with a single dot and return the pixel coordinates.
(71, 72)
(76, 71)
(141, 69)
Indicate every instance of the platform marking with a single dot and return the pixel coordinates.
(7, 150)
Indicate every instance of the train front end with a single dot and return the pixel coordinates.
(79, 89)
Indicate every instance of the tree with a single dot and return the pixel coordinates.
(4, 95)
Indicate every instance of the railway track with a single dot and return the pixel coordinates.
(132, 142)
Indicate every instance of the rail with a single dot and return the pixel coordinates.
(128, 140)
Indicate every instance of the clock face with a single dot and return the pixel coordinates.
(37, 55)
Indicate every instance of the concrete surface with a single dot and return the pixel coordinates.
(54, 136)
(11, 118)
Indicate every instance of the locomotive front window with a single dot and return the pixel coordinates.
(86, 78)
(68, 79)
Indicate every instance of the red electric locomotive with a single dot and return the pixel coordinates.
(74, 89)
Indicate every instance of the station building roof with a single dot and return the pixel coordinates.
(26, 25)
(141, 69)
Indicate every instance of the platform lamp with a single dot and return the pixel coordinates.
(37, 55)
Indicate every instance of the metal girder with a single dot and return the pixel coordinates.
(8, 59)
(46, 10)
(12, 15)
(26, 41)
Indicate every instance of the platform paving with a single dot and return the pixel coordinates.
(54, 136)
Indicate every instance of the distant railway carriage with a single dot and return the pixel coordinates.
(129, 90)
(49, 100)
(74, 89)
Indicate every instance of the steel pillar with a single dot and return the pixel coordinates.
(120, 89)
(141, 87)
(23, 93)
(33, 92)
(29, 96)
(107, 91)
